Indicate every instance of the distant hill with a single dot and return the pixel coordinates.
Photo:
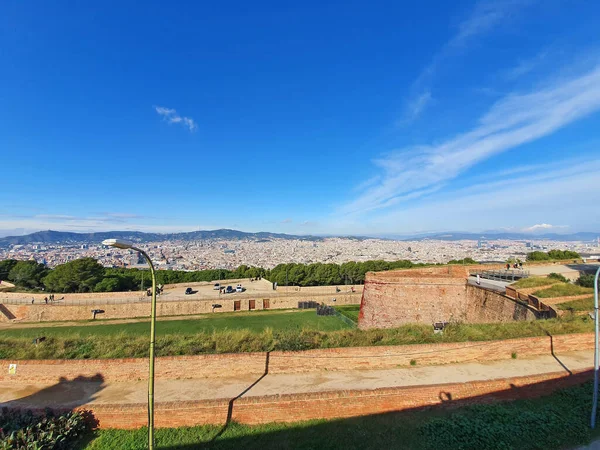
(492, 236)
(65, 237)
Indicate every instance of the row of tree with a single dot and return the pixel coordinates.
(87, 275)
(552, 254)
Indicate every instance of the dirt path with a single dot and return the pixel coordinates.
(70, 394)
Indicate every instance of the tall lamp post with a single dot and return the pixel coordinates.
(595, 396)
(117, 243)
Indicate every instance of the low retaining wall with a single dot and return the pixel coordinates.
(58, 312)
(333, 405)
(231, 365)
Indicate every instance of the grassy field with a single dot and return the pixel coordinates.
(583, 304)
(524, 283)
(82, 344)
(350, 311)
(256, 322)
(556, 421)
(563, 290)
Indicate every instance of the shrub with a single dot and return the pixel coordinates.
(413, 362)
(24, 430)
(586, 281)
(558, 276)
(513, 355)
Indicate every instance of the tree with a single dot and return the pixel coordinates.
(27, 274)
(586, 280)
(537, 256)
(81, 275)
(5, 268)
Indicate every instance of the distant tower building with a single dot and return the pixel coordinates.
(410, 249)
(478, 244)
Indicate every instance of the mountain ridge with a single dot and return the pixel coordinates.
(67, 237)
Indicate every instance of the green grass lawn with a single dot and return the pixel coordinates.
(350, 311)
(256, 322)
(563, 290)
(583, 304)
(530, 282)
(556, 421)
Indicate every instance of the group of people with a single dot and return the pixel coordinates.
(47, 299)
(515, 266)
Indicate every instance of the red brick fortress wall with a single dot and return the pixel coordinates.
(434, 294)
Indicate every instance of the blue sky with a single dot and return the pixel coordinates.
(310, 117)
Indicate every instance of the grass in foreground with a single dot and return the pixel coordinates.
(583, 304)
(524, 283)
(556, 421)
(122, 345)
(563, 290)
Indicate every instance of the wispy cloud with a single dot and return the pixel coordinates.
(287, 221)
(171, 116)
(417, 105)
(484, 17)
(543, 227)
(514, 120)
(525, 66)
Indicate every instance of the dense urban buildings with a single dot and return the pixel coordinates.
(267, 253)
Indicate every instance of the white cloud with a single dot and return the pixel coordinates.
(516, 201)
(286, 221)
(514, 120)
(485, 16)
(417, 105)
(543, 226)
(171, 116)
(525, 66)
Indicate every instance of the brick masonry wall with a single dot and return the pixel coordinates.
(335, 404)
(48, 313)
(434, 294)
(335, 359)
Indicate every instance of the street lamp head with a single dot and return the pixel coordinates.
(117, 243)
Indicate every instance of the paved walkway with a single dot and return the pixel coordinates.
(71, 394)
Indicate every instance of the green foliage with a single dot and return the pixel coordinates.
(552, 254)
(24, 430)
(586, 280)
(413, 362)
(5, 268)
(558, 277)
(80, 275)
(462, 261)
(513, 355)
(27, 274)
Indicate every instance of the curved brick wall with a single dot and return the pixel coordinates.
(435, 294)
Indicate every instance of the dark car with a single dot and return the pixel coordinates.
(188, 291)
(229, 290)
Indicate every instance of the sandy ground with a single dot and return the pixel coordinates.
(571, 271)
(72, 394)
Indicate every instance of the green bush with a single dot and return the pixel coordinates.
(586, 281)
(24, 430)
(558, 276)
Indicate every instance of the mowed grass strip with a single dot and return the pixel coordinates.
(525, 283)
(583, 304)
(255, 322)
(350, 311)
(556, 421)
(563, 290)
(121, 345)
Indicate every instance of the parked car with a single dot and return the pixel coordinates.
(188, 291)
(217, 286)
(229, 290)
(239, 288)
